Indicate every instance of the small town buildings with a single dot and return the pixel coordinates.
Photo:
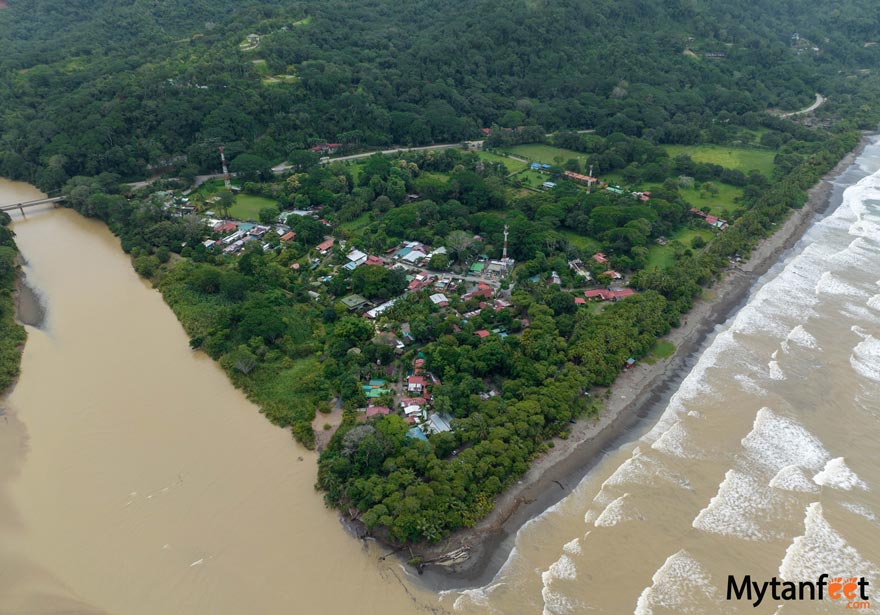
(600, 258)
(289, 236)
(325, 246)
(375, 261)
(549, 185)
(482, 334)
(354, 302)
(555, 279)
(582, 179)
(438, 423)
(613, 274)
(377, 411)
(604, 294)
(439, 299)
(380, 309)
(356, 258)
(580, 301)
(416, 384)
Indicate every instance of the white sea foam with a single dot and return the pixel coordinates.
(676, 442)
(838, 475)
(556, 603)
(643, 469)
(614, 513)
(865, 358)
(739, 508)
(749, 385)
(793, 478)
(800, 336)
(774, 372)
(776, 441)
(681, 585)
(860, 510)
(573, 547)
(832, 285)
(874, 303)
(822, 550)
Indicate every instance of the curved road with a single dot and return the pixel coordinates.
(820, 100)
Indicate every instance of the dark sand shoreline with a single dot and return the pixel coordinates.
(637, 399)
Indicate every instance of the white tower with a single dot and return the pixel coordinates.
(504, 252)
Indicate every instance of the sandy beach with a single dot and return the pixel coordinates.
(637, 394)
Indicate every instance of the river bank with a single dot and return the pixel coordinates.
(637, 393)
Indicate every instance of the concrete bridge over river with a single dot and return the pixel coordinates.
(22, 206)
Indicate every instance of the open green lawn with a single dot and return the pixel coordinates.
(248, 206)
(721, 204)
(743, 158)
(357, 224)
(538, 152)
(663, 349)
(261, 66)
(532, 179)
(440, 177)
(586, 244)
(663, 256)
(512, 165)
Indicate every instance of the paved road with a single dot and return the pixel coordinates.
(281, 168)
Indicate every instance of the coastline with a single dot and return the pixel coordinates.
(635, 395)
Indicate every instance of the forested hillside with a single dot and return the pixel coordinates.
(132, 88)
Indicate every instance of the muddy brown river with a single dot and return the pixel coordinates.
(135, 479)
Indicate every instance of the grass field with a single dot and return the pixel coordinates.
(532, 179)
(261, 66)
(547, 154)
(248, 206)
(663, 256)
(721, 204)
(512, 165)
(582, 243)
(743, 158)
(357, 224)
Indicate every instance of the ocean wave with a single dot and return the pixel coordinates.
(833, 285)
(776, 442)
(615, 513)
(822, 550)
(838, 475)
(739, 508)
(862, 511)
(774, 372)
(681, 585)
(793, 478)
(676, 442)
(556, 603)
(802, 337)
(865, 358)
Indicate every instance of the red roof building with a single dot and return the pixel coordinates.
(226, 227)
(600, 258)
(482, 334)
(580, 301)
(288, 236)
(413, 401)
(584, 179)
(415, 384)
(613, 274)
(325, 246)
(375, 260)
(376, 410)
